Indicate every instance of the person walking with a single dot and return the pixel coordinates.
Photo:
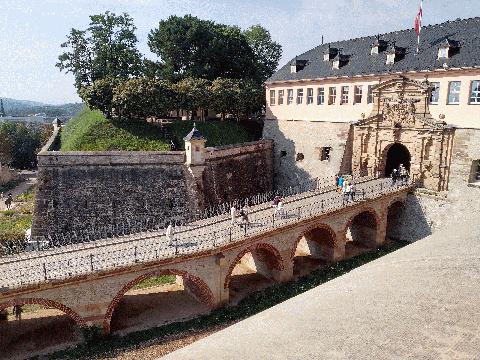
(17, 311)
(244, 214)
(279, 210)
(341, 181)
(233, 215)
(394, 176)
(9, 201)
(170, 233)
(353, 190)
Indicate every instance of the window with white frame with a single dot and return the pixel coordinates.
(370, 94)
(309, 96)
(358, 92)
(272, 97)
(435, 95)
(320, 96)
(475, 92)
(454, 92)
(289, 96)
(299, 96)
(332, 95)
(280, 97)
(344, 98)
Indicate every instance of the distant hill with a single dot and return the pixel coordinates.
(14, 107)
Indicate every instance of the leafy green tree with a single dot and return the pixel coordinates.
(250, 99)
(191, 47)
(137, 99)
(225, 93)
(193, 94)
(105, 50)
(99, 95)
(20, 143)
(267, 52)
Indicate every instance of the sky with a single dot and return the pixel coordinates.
(31, 31)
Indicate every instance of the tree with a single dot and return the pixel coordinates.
(225, 94)
(137, 99)
(105, 50)
(99, 95)
(191, 47)
(20, 142)
(267, 52)
(251, 98)
(193, 94)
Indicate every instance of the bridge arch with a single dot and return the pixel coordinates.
(361, 229)
(267, 252)
(49, 327)
(313, 248)
(393, 214)
(315, 233)
(196, 285)
(47, 304)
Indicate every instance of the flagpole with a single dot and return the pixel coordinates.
(420, 26)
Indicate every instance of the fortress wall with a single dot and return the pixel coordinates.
(237, 171)
(292, 137)
(82, 192)
(466, 150)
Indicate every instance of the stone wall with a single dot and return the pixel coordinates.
(466, 150)
(307, 138)
(237, 171)
(82, 196)
(81, 192)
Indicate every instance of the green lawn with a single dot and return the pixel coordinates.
(91, 131)
(155, 281)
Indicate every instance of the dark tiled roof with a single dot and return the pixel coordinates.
(464, 31)
(193, 134)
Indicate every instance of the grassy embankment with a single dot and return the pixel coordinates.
(106, 347)
(91, 131)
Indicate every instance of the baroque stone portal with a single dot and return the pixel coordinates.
(401, 130)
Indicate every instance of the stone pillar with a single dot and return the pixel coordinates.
(222, 295)
(338, 252)
(287, 273)
(381, 230)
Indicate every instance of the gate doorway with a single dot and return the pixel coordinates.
(397, 154)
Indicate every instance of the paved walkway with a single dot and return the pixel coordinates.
(30, 179)
(420, 302)
(79, 259)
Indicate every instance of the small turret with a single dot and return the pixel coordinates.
(195, 147)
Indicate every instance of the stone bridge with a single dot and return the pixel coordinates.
(87, 281)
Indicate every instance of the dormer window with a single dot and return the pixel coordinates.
(448, 49)
(339, 61)
(394, 54)
(330, 53)
(378, 46)
(297, 65)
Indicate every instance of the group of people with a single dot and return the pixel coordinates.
(8, 200)
(400, 175)
(346, 186)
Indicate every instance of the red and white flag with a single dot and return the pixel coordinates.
(418, 23)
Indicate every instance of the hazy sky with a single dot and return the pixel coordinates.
(31, 31)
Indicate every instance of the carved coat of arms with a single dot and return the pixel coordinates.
(399, 112)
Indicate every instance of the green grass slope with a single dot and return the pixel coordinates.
(91, 131)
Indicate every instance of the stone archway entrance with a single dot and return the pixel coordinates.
(396, 154)
(400, 119)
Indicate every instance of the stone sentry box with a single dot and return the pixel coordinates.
(80, 194)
